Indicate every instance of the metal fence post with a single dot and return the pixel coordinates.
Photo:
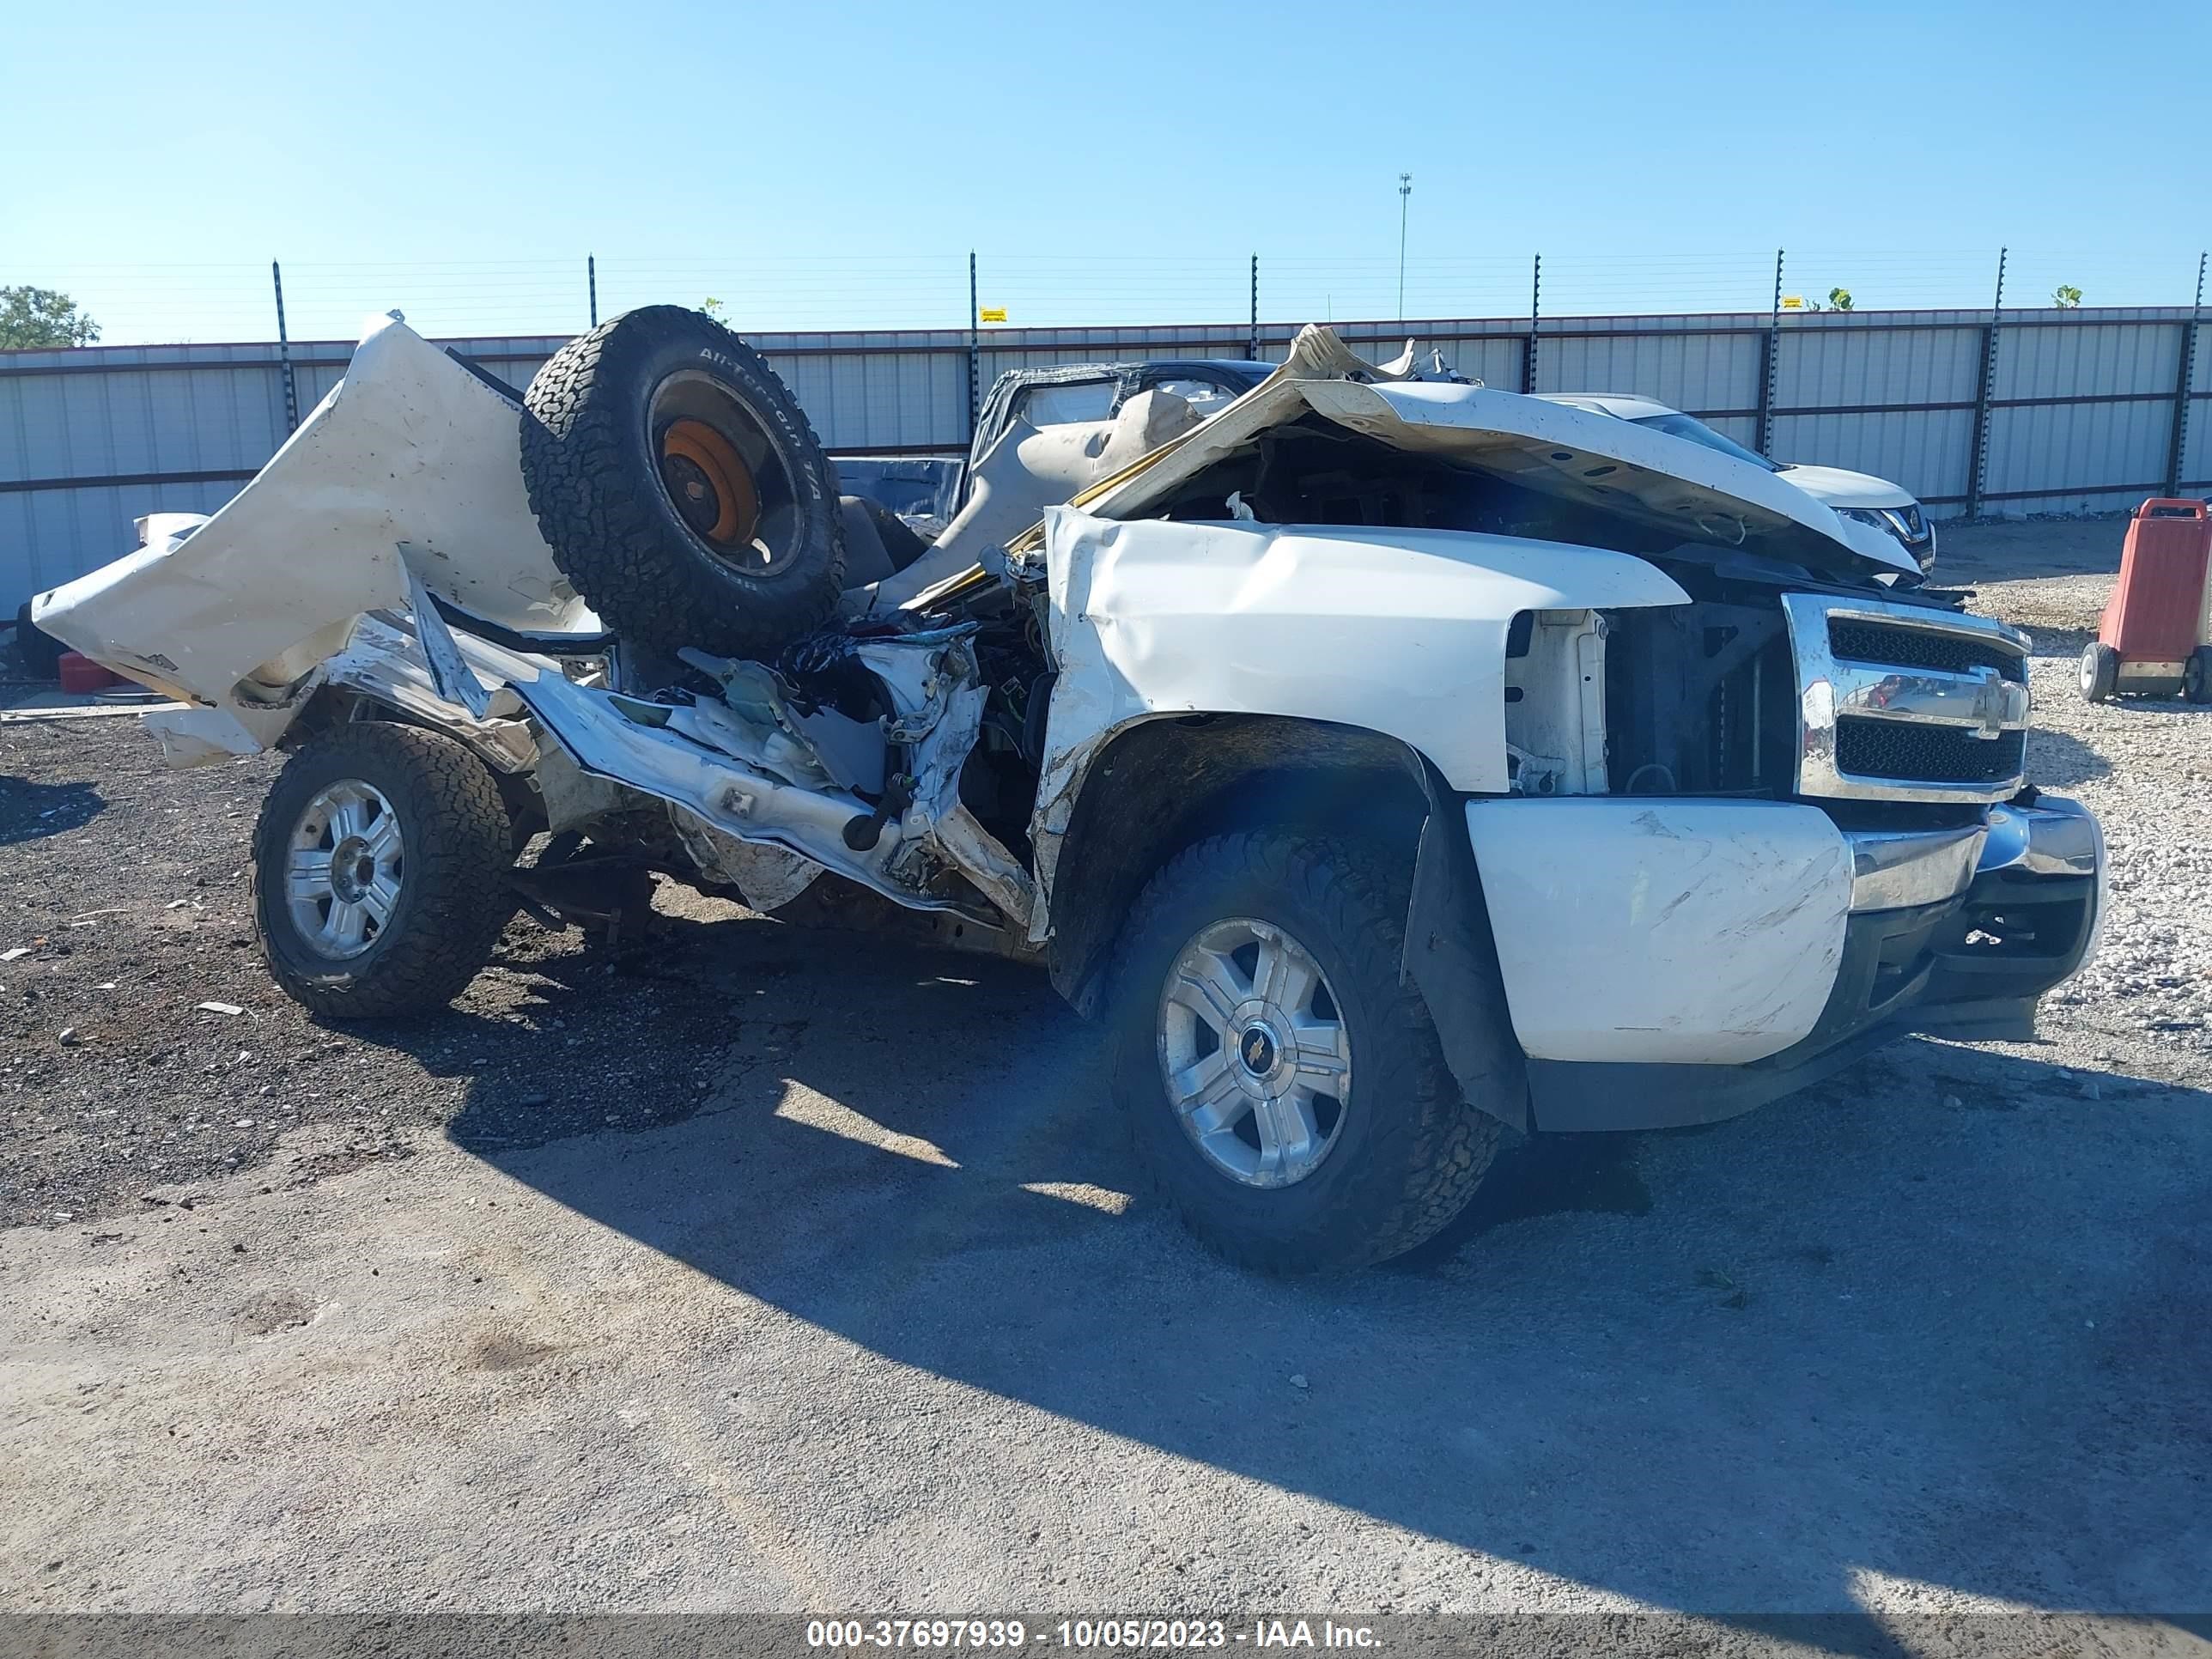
(1535, 313)
(975, 352)
(1252, 341)
(284, 353)
(1978, 480)
(592, 282)
(2175, 454)
(1770, 365)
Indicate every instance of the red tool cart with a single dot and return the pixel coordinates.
(2155, 638)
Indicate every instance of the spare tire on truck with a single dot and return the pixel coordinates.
(680, 487)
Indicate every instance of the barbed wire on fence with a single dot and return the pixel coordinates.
(188, 302)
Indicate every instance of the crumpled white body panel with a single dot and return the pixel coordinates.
(1696, 933)
(1396, 631)
(410, 457)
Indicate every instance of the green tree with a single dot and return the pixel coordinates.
(42, 317)
(2066, 296)
(711, 307)
(1839, 299)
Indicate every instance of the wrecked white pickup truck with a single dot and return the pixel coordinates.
(1386, 760)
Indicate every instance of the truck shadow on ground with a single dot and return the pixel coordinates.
(1923, 1322)
(30, 810)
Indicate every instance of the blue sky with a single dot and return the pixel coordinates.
(831, 167)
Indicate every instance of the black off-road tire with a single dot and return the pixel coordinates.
(593, 466)
(2100, 673)
(1410, 1153)
(453, 895)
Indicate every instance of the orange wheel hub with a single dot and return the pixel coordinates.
(706, 475)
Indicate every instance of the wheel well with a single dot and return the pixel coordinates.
(333, 706)
(1163, 784)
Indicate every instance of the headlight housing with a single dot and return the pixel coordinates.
(1906, 523)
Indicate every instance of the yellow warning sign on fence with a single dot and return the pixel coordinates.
(1789, 303)
(992, 314)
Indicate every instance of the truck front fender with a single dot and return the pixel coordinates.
(1398, 632)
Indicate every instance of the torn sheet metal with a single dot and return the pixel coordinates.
(598, 731)
(411, 463)
(455, 681)
(192, 736)
(739, 769)
(938, 693)
(762, 722)
(984, 860)
(937, 700)
(383, 661)
(769, 877)
(574, 798)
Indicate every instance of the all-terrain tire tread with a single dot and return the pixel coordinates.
(1432, 1148)
(457, 896)
(604, 522)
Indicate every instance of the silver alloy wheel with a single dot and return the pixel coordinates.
(343, 869)
(1253, 1053)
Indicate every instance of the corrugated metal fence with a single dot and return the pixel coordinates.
(2061, 411)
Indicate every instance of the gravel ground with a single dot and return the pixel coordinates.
(771, 1269)
(125, 885)
(2144, 765)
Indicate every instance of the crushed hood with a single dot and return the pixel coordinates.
(1690, 494)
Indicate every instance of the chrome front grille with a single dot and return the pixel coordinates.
(1853, 641)
(1927, 754)
(1902, 703)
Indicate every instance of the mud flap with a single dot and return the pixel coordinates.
(1452, 960)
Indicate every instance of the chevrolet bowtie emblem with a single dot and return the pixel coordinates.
(1995, 698)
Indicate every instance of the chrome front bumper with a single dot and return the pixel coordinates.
(2054, 836)
(1998, 913)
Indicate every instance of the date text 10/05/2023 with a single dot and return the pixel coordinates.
(1086, 1634)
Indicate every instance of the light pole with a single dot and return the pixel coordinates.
(1405, 190)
